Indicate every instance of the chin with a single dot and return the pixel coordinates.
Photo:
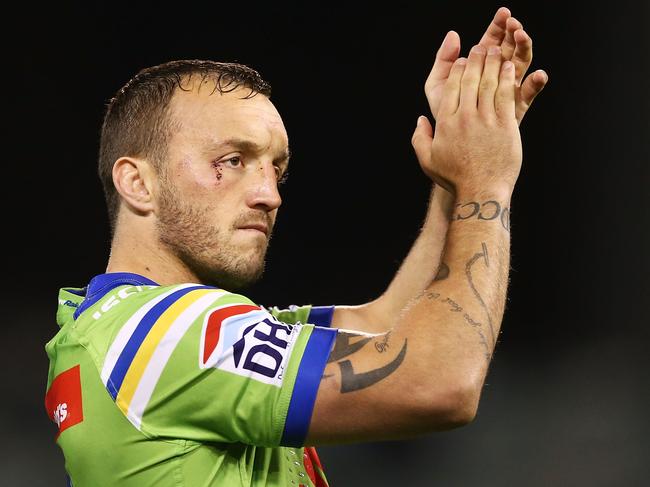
(234, 278)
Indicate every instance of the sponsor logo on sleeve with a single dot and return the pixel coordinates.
(63, 399)
(248, 341)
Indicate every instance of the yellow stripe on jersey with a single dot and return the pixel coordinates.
(149, 345)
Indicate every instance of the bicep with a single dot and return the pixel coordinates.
(359, 397)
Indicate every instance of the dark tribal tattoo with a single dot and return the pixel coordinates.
(343, 347)
(350, 381)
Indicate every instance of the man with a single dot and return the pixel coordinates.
(162, 375)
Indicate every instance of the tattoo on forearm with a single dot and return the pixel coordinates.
(455, 307)
(443, 272)
(343, 347)
(488, 210)
(351, 381)
(468, 273)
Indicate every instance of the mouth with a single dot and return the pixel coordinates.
(259, 227)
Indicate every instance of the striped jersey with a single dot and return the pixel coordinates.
(184, 385)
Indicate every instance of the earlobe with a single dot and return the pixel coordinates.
(132, 178)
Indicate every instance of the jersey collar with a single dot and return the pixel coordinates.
(103, 283)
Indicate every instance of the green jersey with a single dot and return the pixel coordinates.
(184, 385)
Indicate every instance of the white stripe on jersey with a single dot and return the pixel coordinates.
(162, 353)
(124, 335)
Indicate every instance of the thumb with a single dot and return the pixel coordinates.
(422, 139)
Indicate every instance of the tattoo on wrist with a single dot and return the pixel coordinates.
(487, 210)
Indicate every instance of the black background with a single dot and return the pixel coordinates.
(565, 402)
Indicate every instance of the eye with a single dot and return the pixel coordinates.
(234, 161)
(280, 176)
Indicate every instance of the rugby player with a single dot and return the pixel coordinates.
(164, 374)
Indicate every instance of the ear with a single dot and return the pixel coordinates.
(134, 180)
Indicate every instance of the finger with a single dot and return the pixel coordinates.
(530, 88)
(451, 91)
(497, 29)
(472, 78)
(489, 81)
(504, 101)
(422, 139)
(508, 46)
(523, 54)
(445, 57)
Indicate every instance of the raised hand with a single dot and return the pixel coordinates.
(516, 46)
(477, 146)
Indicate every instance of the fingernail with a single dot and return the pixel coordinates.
(507, 65)
(461, 61)
(419, 120)
(478, 49)
(494, 50)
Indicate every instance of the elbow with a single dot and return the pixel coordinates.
(449, 409)
(461, 408)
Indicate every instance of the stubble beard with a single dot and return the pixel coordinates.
(204, 248)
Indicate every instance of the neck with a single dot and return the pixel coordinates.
(135, 250)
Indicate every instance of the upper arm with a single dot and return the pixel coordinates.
(368, 392)
(209, 366)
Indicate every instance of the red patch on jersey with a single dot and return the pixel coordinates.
(213, 328)
(63, 400)
(310, 460)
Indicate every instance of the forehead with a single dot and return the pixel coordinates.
(203, 113)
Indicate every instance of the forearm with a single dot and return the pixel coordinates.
(416, 272)
(422, 263)
(430, 368)
(452, 328)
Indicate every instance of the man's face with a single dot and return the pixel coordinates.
(218, 196)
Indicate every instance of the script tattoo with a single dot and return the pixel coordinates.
(351, 381)
(488, 210)
(455, 307)
(343, 347)
(383, 345)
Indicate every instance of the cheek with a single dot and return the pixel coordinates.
(198, 177)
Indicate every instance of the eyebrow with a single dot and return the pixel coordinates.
(245, 145)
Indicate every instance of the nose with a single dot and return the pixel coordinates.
(263, 191)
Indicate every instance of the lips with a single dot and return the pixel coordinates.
(255, 226)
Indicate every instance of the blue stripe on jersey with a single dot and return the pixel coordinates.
(305, 389)
(140, 333)
(321, 315)
(101, 284)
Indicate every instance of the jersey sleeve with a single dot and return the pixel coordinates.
(205, 365)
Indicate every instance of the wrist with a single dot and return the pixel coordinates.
(501, 193)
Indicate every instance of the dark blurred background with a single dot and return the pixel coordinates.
(566, 399)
